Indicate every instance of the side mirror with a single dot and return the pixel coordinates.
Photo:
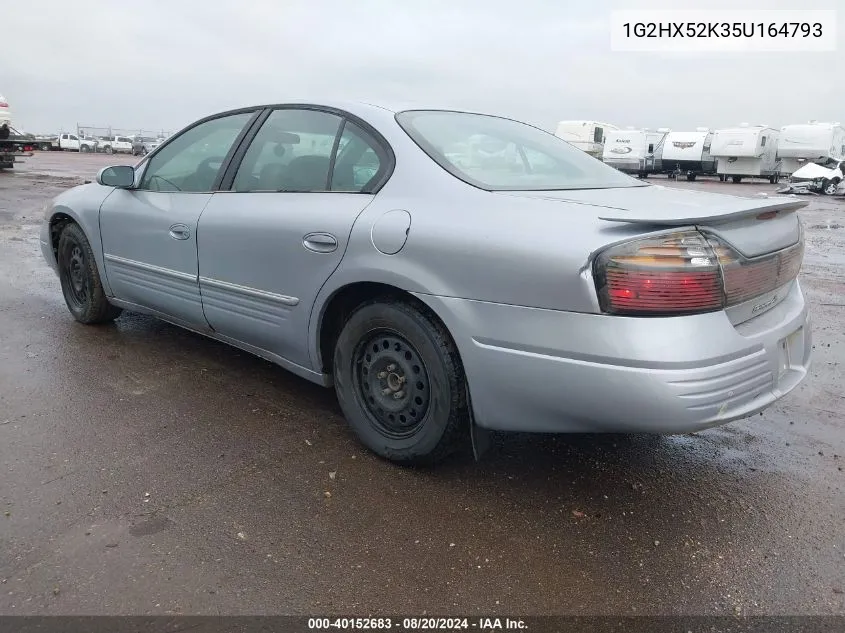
(120, 176)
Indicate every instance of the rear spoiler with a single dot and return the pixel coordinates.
(764, 209)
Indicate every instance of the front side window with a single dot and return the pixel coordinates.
(191, 161)
(291, 152)
(493, 153)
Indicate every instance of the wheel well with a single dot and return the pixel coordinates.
(341, 305)
(57, 224)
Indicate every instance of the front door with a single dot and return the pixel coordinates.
(149, 233)
(267, 246)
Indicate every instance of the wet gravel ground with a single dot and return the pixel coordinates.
(144, 469)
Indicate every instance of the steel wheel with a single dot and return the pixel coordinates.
(74, 268)
(392, 383)
(830, 187)
(80, 279)
(400, 382)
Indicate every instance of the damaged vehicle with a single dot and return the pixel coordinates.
(824, 178)
(448, 273)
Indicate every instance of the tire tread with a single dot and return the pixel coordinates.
(99, 310)
(456, 434)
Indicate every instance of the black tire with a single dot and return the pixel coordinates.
(774, 178)
(84, 149)
(80, 279)
(383, 344)
(829, 187)
(108, 149)
(737, 179)
(690, 177)
(722, 178)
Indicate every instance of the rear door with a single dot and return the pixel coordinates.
(267, 246)
(149, 233)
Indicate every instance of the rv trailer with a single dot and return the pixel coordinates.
(634, 151)
(747, 151)
(812, 142)
(688, 153)
(588, 136)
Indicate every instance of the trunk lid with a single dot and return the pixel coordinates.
(753, 226)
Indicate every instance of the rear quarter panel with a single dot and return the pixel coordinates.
(472, 244)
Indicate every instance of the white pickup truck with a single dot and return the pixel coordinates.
(75, 143)
(116, 144)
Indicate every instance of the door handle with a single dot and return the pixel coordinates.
(320, 242)
(180, 232)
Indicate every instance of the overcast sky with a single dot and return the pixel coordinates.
(159, 64)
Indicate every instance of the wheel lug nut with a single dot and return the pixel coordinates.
(398, 395)
(391, 367)
(382, 374)
(386, 392)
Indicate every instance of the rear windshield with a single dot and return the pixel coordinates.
(503, 155)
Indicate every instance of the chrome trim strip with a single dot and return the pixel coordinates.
(167, 272)
(252, 292)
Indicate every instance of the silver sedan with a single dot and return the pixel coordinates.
(447, 272)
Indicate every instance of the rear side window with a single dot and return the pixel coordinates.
(598, 135)
(360, 160)
(301, 150)
(291, 152)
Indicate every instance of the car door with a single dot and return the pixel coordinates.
(149, 232)
(268, 245)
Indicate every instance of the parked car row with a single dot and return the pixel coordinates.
(119, 144)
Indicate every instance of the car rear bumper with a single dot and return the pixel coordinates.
(546, 371)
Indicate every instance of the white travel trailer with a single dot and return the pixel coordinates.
(5, 112)
(812, 142)
(688, 153)
(634, 151)
(587, 136)
(747, 151)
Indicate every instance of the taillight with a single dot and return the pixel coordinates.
(27, 148)
(745, 279)
(686, 272)
(667, 274)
